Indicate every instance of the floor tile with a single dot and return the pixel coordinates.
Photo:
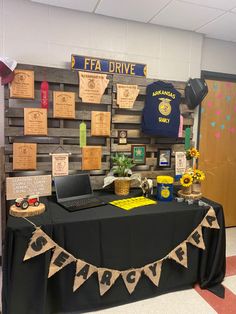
(230, 283)
(230, 241)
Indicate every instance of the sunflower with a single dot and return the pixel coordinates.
(186, 180)
(199, 175)
(192, 153)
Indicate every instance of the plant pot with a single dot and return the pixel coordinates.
(122, 186)
(196, 188)
(187, 189)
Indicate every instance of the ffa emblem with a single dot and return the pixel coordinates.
(91, 84)
(126, 93)
(165, 193)
(164, 106)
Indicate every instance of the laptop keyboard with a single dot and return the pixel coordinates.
(83, 203)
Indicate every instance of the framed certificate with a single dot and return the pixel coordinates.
(164, 158)
(22, 85)
(100, 123)
(24, 156)
(139, 154)
(91, 157)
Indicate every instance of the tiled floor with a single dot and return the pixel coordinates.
(194, 301)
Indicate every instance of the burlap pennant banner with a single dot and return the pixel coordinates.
(83, 272)
(39, 244)
(210, 220)
(179, 254)
(59, 260)
(106, 278)
(131, 278)
(153, 272)
(196, 238)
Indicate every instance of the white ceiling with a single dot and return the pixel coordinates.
(214, 18)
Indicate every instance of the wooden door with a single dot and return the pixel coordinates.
(217, 145)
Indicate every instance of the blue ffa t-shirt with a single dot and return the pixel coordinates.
(161, 114)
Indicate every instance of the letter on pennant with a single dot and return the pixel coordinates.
(153, 272)
(210, 220)
(179, 254)
(39, 243)
(59, 260)
(83, 272)
(131, 278)
(106, 278)
(196, 238)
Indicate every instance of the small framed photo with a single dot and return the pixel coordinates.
(139, 154)
(164, 158)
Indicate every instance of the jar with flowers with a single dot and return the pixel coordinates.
(192, 155)
(198, 176)
(186, 181)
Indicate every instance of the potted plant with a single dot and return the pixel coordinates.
(121, 170)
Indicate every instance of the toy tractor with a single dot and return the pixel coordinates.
(25, 202)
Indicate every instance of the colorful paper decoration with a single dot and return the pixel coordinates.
(187, 138)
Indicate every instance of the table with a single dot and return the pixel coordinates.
(108, 236)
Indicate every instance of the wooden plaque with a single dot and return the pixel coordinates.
(22, 85)
(64, 105)
(35, 121)
(24, 156)
(126, 95)
(22, 186)
(91, 158)
(100, 123)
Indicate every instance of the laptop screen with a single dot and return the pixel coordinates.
(72, 186)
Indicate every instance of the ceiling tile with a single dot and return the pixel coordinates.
(221, 28)
(219, 4)
(80, 5)
(142, 10)
(185, 15)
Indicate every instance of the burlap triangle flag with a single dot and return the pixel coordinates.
(39, 243)
(83, 272)
(196, 238)
(106, 278)
(131, 278)
(210, 220)
(153, 272)
(179, 254)
(59, 260)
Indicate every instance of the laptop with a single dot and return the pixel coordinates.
(74, 192)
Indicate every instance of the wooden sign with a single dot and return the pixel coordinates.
(100, 123)
(91, 157)
(24, 156)
(126, 95)
(64, 105)
(22, 186)
(60, 164)
(85, 63)
(22, 85)
(35, 121)
(92, 86)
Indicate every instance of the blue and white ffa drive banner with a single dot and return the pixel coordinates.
(107, 66)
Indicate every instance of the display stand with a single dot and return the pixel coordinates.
(190, 196)
(29, 212)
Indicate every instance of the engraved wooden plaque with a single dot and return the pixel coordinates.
(64, 105)
(22, 85)
(92, 86)
(35, 121)
(24, 156)
(91, 158)
(100, 123)
(22, 186)
(126, 95)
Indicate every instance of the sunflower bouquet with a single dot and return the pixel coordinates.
(198, 176)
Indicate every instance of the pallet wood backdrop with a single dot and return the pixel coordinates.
(65, 132)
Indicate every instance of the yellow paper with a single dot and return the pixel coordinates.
(133, 202)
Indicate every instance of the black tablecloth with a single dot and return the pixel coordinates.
(108, 236)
